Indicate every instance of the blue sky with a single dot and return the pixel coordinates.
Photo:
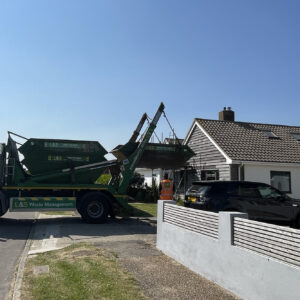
(89, 69)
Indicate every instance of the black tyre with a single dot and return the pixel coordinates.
(94, 208)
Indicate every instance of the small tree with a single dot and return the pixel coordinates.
(135, 188)
(137, 181)
(154, 190)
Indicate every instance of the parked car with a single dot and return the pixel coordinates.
(261, 201)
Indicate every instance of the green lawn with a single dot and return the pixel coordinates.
(78, 272)
(180, 202)
(144, 209)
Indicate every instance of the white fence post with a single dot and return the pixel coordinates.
(160, 216)
(226, 226)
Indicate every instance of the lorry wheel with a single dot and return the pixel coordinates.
(94, 208)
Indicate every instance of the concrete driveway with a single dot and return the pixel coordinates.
(133, 240)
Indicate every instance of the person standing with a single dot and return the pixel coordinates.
(166, 188)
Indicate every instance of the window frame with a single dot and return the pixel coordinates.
(205, 172)
(270, 134)
(272, 173)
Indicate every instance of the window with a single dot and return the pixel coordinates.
(243, 190)
(296, 136)
(201, 189)
(281, 181)
(268, 192)
(248, 190)
(270, 134)
(210, 175)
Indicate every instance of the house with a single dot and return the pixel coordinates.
(230, 150)
(149, 174)
(157, 174)
(173, 141)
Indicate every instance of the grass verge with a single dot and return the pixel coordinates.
(78, 272)
(144, 209)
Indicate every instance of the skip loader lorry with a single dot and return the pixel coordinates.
(57, 174)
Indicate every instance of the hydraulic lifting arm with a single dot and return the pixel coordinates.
(138, 129)
(129, 164)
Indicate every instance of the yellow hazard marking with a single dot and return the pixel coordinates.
(21, 199)
(59, 198)
(34, 199)
(46, 198)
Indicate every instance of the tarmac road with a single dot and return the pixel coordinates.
(14, 231)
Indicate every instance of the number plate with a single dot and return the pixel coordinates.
(192, 199)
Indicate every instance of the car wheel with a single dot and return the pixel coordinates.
(94, 208)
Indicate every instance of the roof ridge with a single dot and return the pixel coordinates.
(240, 122)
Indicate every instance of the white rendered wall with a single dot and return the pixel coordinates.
(262, 173)
(247, 274)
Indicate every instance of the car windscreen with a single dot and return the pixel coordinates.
(199, 189)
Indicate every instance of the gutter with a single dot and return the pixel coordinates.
(263, 163)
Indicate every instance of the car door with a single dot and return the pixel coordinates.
(250, 199)
(242, 197)
(218, 197)
(274, 205)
